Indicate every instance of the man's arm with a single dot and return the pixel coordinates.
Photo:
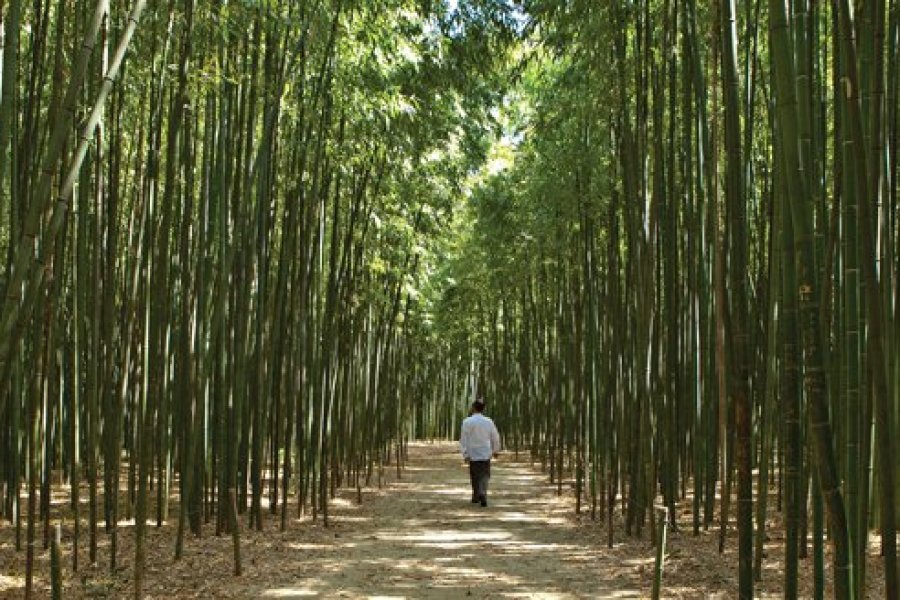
(464, 440)
(495, 440)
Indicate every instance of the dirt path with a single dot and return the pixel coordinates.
(424, 539)
(420, 537)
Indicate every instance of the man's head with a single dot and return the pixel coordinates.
(478, 406)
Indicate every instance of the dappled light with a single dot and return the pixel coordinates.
(419, 537)
(449, 298)
(426, 540)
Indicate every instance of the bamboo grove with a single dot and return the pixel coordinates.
(680, 280)
(214, 218)
(251, 249)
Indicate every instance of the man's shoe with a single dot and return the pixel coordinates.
(484, 500)
(474, 500)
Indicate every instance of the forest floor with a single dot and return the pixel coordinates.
(420, 537)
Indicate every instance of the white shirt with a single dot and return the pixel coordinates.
(479, 439)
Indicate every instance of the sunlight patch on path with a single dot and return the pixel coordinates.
(421, 538)
(435, 537)
(290, 593)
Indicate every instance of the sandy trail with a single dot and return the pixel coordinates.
(423, 538)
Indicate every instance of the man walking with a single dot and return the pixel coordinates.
(479, 442)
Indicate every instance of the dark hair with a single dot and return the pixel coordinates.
(478, 406)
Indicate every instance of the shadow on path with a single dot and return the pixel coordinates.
(423, 539)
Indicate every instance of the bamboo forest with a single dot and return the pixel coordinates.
(258, 258)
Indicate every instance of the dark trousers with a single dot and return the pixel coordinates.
(479, 474)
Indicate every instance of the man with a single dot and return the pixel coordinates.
(479, 442)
